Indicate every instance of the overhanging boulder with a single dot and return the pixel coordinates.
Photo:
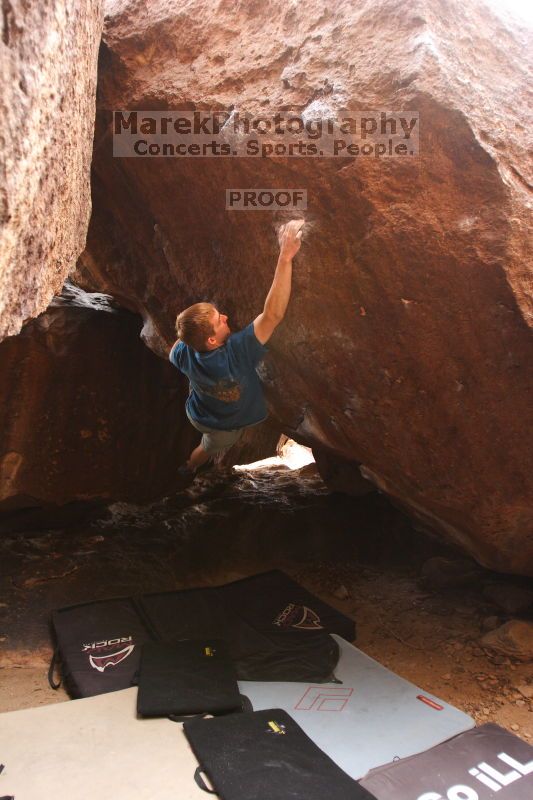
(407, 345)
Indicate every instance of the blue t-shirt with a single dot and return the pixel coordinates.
(225, 390)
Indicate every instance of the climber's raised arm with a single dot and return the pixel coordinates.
(280, 291)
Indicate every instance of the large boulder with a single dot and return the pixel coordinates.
(88, 414)
(48, 62)
(407, 346)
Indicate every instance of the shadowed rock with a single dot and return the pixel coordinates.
(514, 639)
(89, 414)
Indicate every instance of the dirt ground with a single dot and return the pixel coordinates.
(358, 554)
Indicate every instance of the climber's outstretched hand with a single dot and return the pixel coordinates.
(290, 237)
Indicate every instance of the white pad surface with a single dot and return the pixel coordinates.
(369, 719)
(95, 748)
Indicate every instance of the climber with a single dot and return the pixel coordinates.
(225, 391)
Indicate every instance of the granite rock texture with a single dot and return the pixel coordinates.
(48, 64)
(407, 345)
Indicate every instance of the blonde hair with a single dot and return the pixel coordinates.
(194, 326)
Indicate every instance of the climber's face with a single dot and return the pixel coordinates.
(220, 327)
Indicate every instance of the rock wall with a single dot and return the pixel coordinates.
(89, 413)
(407, 345)
(48, 59)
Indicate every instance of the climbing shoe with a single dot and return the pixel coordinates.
(186, 476)
(205, 467)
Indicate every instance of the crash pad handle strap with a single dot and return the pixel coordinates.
(245, 706)
(53, 662)
(200, 781)
(185, 717)
(246, 703)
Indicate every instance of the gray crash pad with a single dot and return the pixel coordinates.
(482, 764)
(372, 717)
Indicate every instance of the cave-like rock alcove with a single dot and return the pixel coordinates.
(380, 310)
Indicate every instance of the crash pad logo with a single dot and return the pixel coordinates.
(324, 698)
(276, 727)
(429, 702)
(296, 616)
(104, 654)
(490, 777)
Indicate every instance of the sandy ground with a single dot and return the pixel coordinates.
(360, 555)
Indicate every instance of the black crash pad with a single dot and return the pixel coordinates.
(275, 629)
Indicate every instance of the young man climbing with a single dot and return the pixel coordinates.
(225, 391)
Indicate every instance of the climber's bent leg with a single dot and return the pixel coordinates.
(197, 458)
(213, 442)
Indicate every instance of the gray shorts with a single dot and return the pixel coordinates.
(214, 441)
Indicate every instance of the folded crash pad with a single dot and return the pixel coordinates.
(485, 763)
(369, 718)
(195, 676)
(274, 628)
(94, 748)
